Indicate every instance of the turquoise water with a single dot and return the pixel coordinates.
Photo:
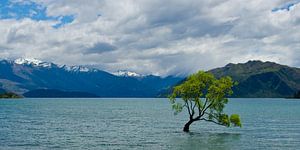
(143, 124)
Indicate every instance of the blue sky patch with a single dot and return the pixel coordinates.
(29, 9)
(64, 20)
(286, 6)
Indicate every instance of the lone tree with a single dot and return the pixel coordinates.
(204, 97)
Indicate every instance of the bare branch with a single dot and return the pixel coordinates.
(194, 105)
(187, 106)
(209, 120)
(191, 108)
(211, 115)
(199, 109)
(205, 103)
(206, 108)
(198, 118)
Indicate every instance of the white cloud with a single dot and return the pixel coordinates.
(158, 37)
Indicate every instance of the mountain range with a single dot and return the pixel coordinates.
(32, 77)
(35, 78)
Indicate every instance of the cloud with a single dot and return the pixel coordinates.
(287, 6)
(158, 37)
(20, 9)
(101, 47)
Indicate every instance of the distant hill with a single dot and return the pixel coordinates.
(52, 93)
(25, 75)
(257, 79)
(261, 79)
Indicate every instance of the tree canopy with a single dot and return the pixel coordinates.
(204, 98)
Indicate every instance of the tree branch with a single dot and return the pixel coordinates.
(204, 110)
(191, 108)
(212, 115)
(205, 103)
(187, 106)
(209, 120)
(194, 105)
(199, 110)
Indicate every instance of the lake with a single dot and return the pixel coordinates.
(143, 124)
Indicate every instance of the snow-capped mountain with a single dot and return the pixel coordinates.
(78, 69)
(38, 63)
(32, 61)
(124, 73)
(24, 75)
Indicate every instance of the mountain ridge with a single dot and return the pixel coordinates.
(26, 76)
(256, 79)
(261, 79)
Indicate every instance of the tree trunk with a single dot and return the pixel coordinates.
(186, 127)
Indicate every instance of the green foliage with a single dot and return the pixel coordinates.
(235, 120)
(9, 95)
(177, 107)
(224, 120)
(204, 97)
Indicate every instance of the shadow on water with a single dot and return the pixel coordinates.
(206, 140)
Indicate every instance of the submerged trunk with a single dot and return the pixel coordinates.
(186, 127)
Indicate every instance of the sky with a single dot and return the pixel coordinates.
(160, 37)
